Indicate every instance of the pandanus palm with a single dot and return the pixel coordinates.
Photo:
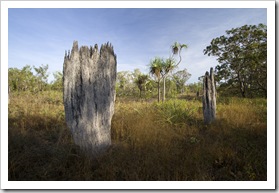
(140, 81)
(155, 69)
(160, 68)
(176, 48)
(168, 66)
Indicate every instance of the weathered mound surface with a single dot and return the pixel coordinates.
(89, 78)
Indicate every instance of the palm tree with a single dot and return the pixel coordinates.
(140, 81)
(176, 48)
(155, 69)
(161, 68)
(168, 66)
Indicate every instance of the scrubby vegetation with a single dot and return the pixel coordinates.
(151, 141)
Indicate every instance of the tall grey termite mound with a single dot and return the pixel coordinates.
(209, 97)
(89, 78)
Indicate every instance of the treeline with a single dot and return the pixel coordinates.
(128, 84)
(242, 70)
(138, 84)
(33, 79)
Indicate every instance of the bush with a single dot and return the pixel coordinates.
(176, 111)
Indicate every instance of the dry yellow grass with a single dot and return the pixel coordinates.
(151, 141)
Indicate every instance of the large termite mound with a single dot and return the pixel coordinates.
(89, 77)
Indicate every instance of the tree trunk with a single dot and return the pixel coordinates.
(164, 89)
(158, 90)
(89, 78)
(241, 85)
(9, 94)
(242, 89)
(209, 97)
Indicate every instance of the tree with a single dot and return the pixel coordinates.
(161, 68)
(124, 83)
(155, 69)
(242, 55)
(136, 73)
(180, 78)
(14, 79)
(21, 80)
(176, 50)
(122, 79)
(167, 67)
(195, 87)
(169, 64)
(42, 76)
(140, 81)
(57, 84)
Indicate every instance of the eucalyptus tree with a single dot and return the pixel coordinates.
(124, 83)
(42, 76)
(14, 79)
(242, 57)
(180, 78)
(123, 78)
(21, 79)
(57, 83)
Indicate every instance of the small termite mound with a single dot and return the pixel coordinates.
(209, 97)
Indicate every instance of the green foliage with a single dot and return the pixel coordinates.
(124, 83)
(176, 48)
(168, 66)
(196, 87)
(20, 80)
(25, 80)
(160, 68)
(57, 84)
(176, 111)
(141, 81)
(242, 55)
(180, 78)
(42, 76)
(156, 68)
(135, 84)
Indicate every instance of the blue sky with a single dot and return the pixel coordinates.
(41, 36)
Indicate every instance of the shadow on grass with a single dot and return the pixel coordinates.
(239, 152)
(41, 148)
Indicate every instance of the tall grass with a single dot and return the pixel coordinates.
(151, 141)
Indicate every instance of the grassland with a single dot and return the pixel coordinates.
(151, 141)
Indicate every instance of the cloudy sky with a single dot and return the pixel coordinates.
(41, 36)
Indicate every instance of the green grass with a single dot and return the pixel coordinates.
(150, 141)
